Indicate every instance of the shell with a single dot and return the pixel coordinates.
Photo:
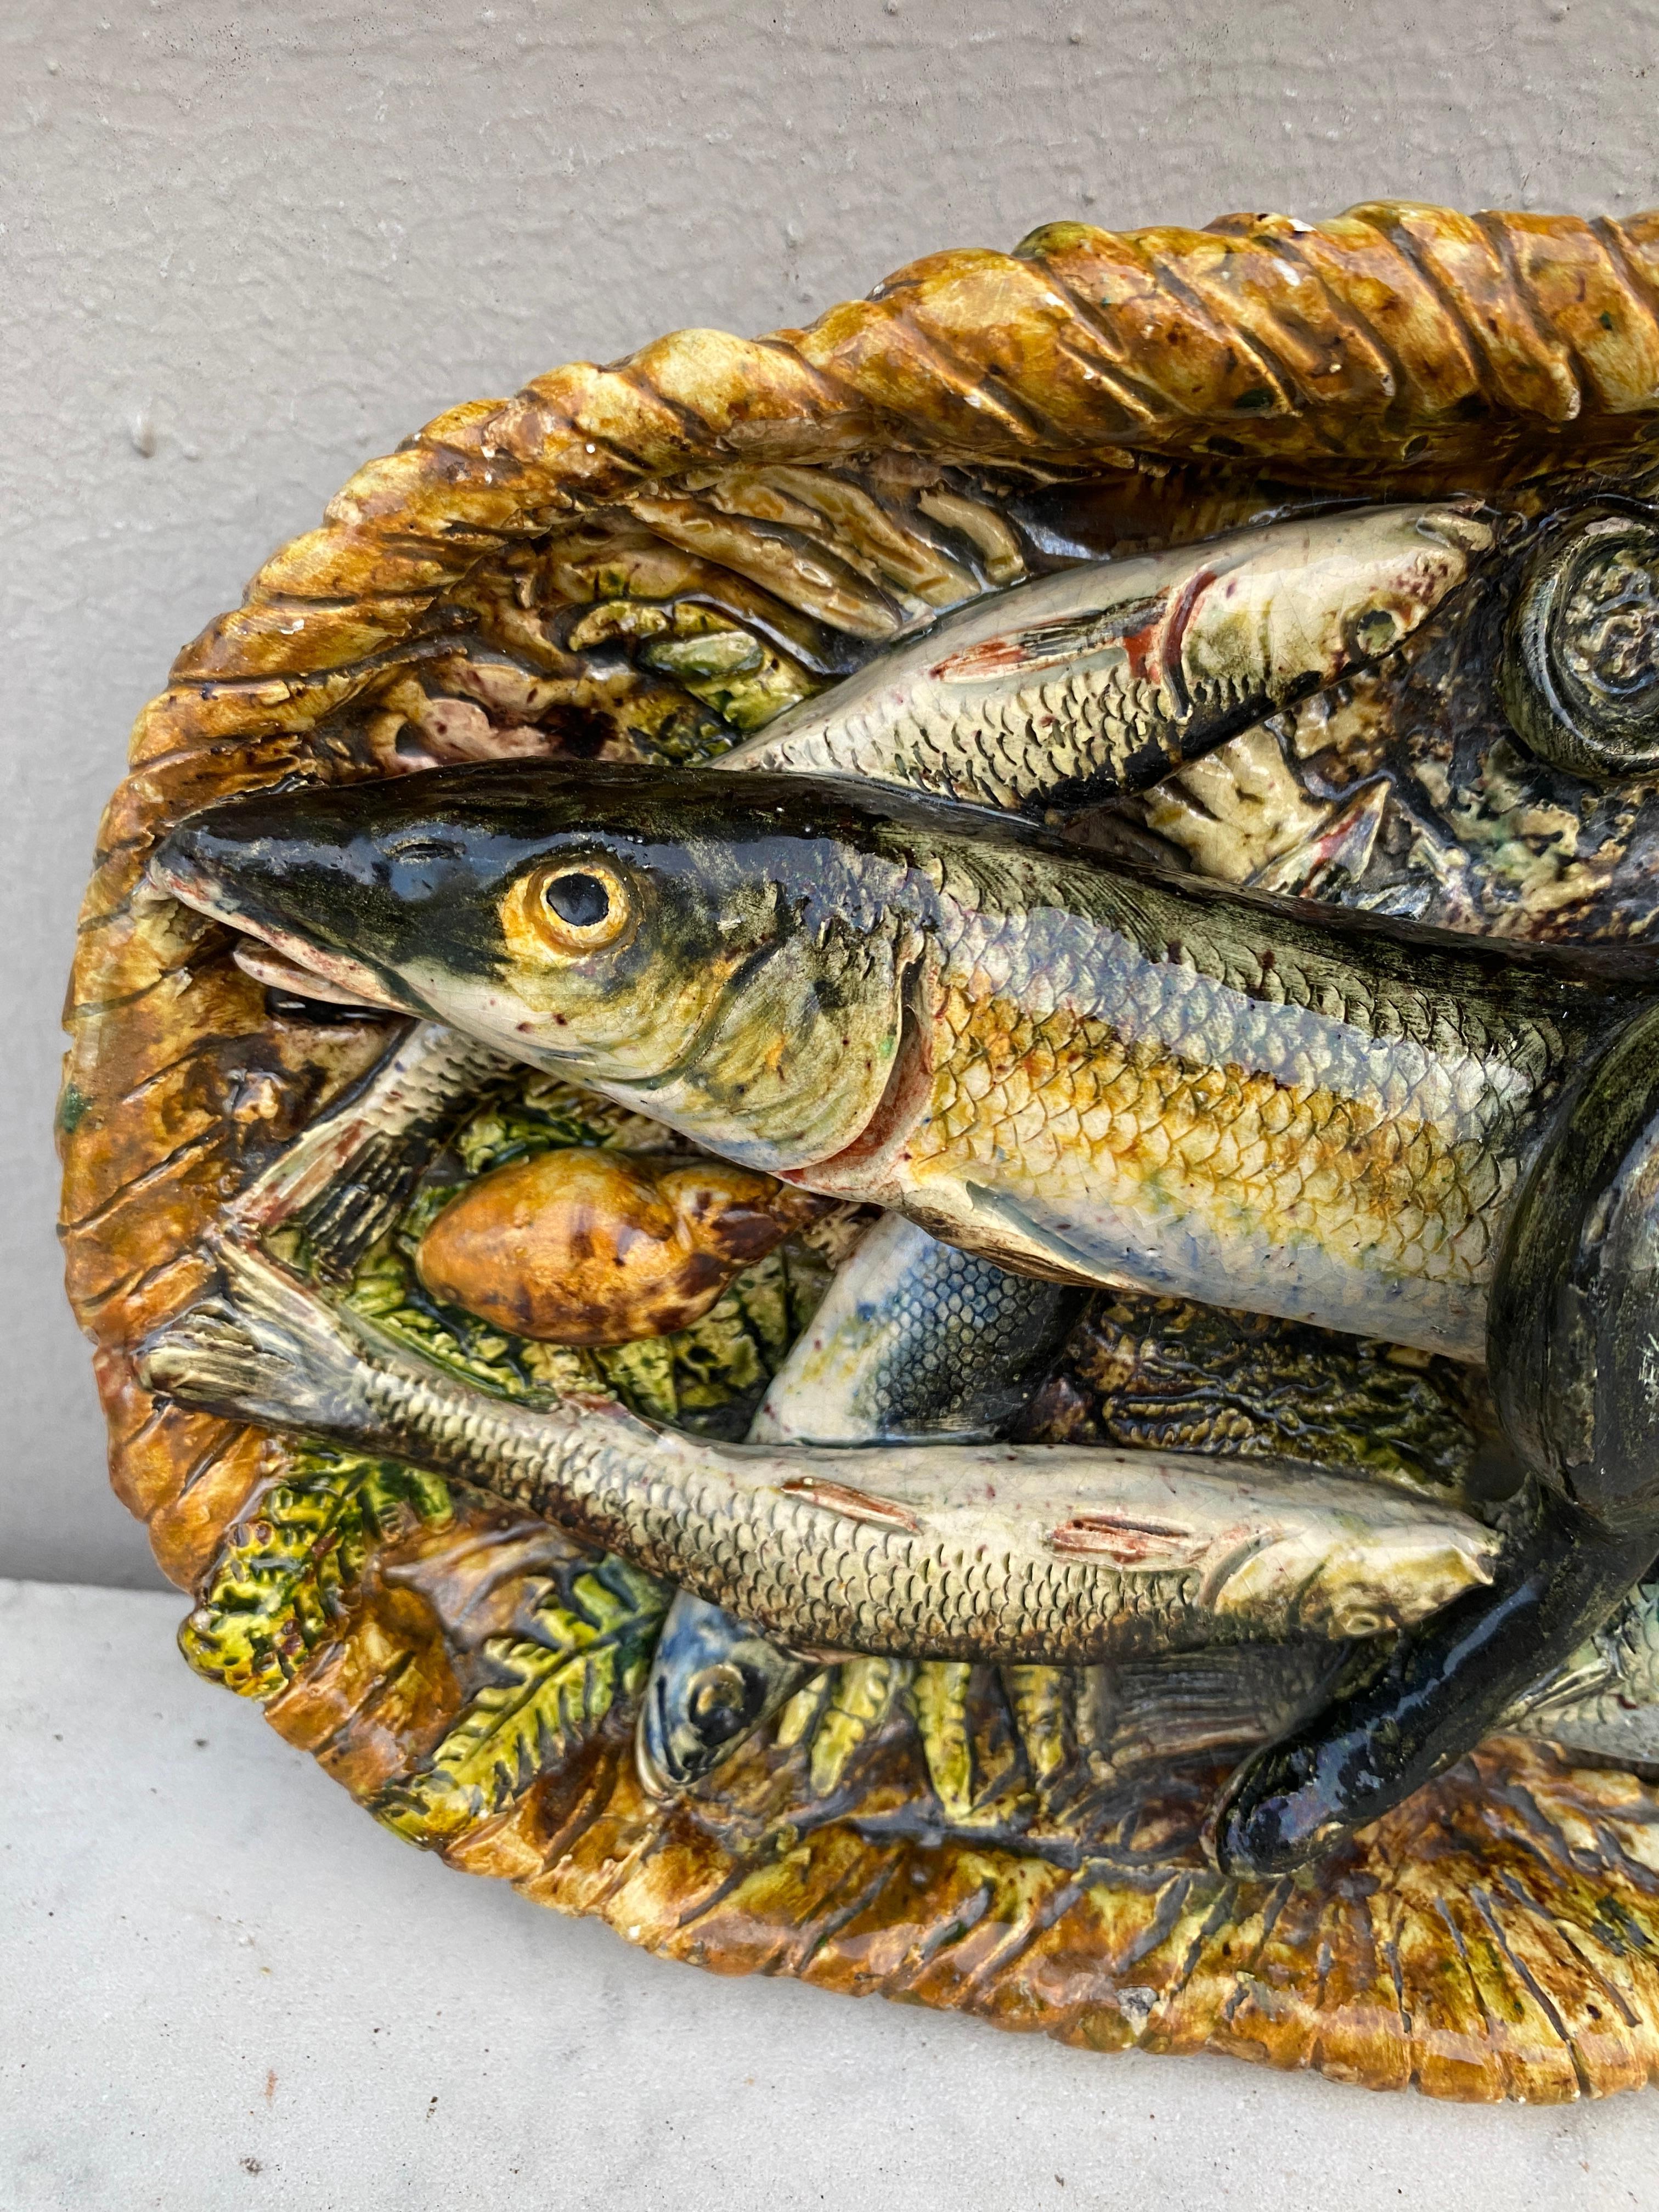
(644, 560)
(596, 1247)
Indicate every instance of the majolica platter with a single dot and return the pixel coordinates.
(858, 1135)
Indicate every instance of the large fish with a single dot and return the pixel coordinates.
(1003, 1551)
(1079, 1071)
(1098, 680)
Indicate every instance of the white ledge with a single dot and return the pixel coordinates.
(221, 1985)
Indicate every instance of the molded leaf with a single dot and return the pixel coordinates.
(281, 1581)
(588, 1656)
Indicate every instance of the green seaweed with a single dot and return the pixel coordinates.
(283, 1577)
(1147, 1373)
(543, 1113)
(588, 1653)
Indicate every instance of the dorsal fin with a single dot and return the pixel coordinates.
(1067, 637)
(856, 1504)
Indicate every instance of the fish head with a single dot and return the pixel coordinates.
(1489, 763)
(1292, 607)
(726, 953)
(712, 1682)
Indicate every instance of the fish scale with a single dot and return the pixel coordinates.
(1102, 1075)
(1094, 724)
(1060, 1105)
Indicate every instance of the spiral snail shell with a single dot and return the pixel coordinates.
(1579, 677)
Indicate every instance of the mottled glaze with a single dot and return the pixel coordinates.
(654, 563)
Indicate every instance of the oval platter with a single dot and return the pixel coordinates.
(649, 561)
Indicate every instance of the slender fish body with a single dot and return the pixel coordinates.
(915, 1341)
(1099, 679)
(1073, 1069)
(982, 1551)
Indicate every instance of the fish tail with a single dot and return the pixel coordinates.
(348, 1177)
(267, 1351)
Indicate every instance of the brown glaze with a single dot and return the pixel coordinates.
(1497, 1936)
(587, 1247)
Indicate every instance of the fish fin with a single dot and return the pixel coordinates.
(344, 1218)
(1002, 1230)
(1135, 1545)
(266, 1350)
(1179, 1705)
(346, 1179)
(1067, 637)
(1345, 839)
(856, 1504)
(1625, 961)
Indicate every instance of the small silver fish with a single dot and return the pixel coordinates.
(1098, 680)
(1048, 1553)
(713, 1681)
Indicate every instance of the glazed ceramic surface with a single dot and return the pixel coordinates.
(1134, 758)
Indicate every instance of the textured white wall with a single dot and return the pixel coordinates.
(243, 248)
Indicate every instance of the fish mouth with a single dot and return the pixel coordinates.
(287, 962)
(281, 971)
(1467, 525)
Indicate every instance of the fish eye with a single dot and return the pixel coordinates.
(569, 908)
(720, 1700)
(1579, 678)
(1373, 630)
(579, 899)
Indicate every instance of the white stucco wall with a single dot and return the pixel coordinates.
(243, 248)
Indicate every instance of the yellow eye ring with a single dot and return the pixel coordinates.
(566, 908)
